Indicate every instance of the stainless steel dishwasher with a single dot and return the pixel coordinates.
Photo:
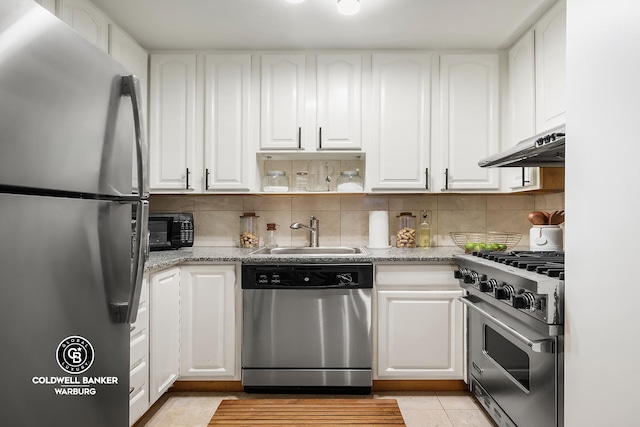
(307, 327)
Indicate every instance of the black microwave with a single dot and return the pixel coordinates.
(170, 231)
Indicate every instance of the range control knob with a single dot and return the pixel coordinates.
(488, 286)
(525, 301)
(504, 292)
(459, 274)
(473, 278)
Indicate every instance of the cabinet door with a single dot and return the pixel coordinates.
(164, 329)
(139, 358)
(401, 143)
(470, 119)
(282, 101)
(172, 122)
(226, 122)
(522, 93)
(130, 54)
(87, 20)
(420, 335)
(339, 101)
(50, 5)
(209, 348)
(522, 102)
(551, 40)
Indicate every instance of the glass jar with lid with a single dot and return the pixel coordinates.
(406, 235)
(350, 181)
(275, 182)
(249, 230)
(270, 238)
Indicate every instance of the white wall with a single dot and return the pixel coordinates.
(602, 358)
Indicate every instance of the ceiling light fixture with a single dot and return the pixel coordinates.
(348, 7)
(295, 1)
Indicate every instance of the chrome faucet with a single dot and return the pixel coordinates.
(313, 228)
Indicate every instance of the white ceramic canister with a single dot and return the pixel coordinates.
(545, 238)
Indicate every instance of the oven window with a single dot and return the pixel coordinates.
(511, 358)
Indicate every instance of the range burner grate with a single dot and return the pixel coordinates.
(547, 263)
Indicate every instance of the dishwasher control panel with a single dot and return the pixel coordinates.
(303, 276)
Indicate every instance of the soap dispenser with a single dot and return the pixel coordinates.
(424, 232)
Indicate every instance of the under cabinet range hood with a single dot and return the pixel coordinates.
(546, 149)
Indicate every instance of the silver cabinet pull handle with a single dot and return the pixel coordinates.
(539, 346)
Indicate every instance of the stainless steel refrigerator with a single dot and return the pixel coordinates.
(72, 172)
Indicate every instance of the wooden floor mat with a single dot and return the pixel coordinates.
(308, 412)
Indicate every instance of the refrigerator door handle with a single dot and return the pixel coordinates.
(131, 88)
(140, 255)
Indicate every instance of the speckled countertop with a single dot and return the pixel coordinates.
(162, 259)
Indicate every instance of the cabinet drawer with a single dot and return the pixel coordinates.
(138, 404)
(424, 275)
(139, 375)
(139, 347)
(142, 321)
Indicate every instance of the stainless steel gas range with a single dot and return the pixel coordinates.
(515, 334)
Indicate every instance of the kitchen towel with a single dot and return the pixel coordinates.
(379, 230)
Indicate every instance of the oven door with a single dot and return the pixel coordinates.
(515, 364)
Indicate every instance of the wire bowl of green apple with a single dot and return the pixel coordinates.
(490, 241)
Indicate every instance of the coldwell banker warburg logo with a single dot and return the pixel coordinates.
(74, 355)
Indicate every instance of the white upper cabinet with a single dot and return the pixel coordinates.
(339, 106)
(87, 20)
(550, 57)
(400, 148)
(522, 101)
(537, 80)
(469, 96)
(130, 54)
(282, 101)
(522, 89)
(172, 134)
(310, 102)
(226, 122)
(50, 5)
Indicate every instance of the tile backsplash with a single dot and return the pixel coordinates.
(344, 219)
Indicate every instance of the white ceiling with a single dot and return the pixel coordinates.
(316, 24)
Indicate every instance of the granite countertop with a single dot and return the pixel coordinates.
(163, 259)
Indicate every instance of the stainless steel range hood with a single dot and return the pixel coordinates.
(546, 149)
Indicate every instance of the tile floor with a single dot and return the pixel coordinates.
(419, 409)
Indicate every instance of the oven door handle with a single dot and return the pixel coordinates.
(539, 346)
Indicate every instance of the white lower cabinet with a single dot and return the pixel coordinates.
(419, 322)
(139, 358)
(164, 328)
(210, 335)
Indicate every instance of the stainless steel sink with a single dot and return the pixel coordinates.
(306, 250)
